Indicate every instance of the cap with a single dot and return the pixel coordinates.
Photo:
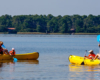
(13, 49)
(1, 42)
(90, 51)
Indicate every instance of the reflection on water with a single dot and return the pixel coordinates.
(9, 70)
(75, 68)
(20, 61)
(84, 72)
(80, 68)
(29, 61)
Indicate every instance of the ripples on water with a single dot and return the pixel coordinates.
(84, 72)
(53, 63)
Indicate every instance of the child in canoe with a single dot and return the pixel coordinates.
(91, 55)
(12, 52)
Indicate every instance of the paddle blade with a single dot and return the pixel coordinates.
(15, 59)
(3, 47)
(98, 38)
(82, 63)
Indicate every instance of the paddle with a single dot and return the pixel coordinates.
(98, 39)
(15, 59)
(84, 58)
(3, 46)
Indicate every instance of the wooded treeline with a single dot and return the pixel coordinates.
(51, 24)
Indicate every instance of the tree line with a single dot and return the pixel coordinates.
(51, 24)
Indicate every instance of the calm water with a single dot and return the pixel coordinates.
(53, 63)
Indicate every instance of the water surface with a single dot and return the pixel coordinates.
(53, 63)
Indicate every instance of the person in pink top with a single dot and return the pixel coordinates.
(97, 55)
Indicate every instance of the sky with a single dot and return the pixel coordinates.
(45, 7)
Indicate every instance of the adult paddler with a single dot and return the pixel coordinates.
(5, 51)
(98, 55)
(1, 50)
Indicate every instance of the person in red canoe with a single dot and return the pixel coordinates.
(1, 50)
(91, 55)
(12, 52)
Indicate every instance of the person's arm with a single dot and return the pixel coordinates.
(96, 57)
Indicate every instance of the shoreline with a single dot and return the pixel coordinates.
(52, 33)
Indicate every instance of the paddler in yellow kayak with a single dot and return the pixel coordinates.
(91, 55)
(98, 55)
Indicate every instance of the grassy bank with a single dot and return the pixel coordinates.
(53, 33)
(42, 33)
(86, 33)
(58, 33)
(3, 32)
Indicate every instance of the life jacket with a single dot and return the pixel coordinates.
(12, 53)
(91, 56)
(1, 50)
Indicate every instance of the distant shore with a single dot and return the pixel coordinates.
(53, 33)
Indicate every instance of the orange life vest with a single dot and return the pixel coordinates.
(91, 55)
(12, 53)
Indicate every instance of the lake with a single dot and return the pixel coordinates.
(53, 63)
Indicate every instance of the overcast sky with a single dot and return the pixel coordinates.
(45, 7)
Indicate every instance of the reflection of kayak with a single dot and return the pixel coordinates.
(21, 61)
(4, 63)
(79, 68)
(75, 68)
(78, 60)
(26, 56)
(29, 61)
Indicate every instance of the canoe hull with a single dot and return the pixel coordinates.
(26, 56)
(78, 60)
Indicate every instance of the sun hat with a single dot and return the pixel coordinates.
(1, 42)
(13, 49)
(90, 51)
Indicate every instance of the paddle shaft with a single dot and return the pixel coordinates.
(85, 52)
(84, 58)
(99, 47)
(98, 39)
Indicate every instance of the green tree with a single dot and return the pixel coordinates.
(39, 28)
(64, 28)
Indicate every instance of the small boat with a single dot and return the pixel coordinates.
(26, 56)
(82, 61)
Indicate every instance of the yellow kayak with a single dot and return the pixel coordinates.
(26, 56)
(83, 61)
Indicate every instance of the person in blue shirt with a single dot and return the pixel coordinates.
(5, 51)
